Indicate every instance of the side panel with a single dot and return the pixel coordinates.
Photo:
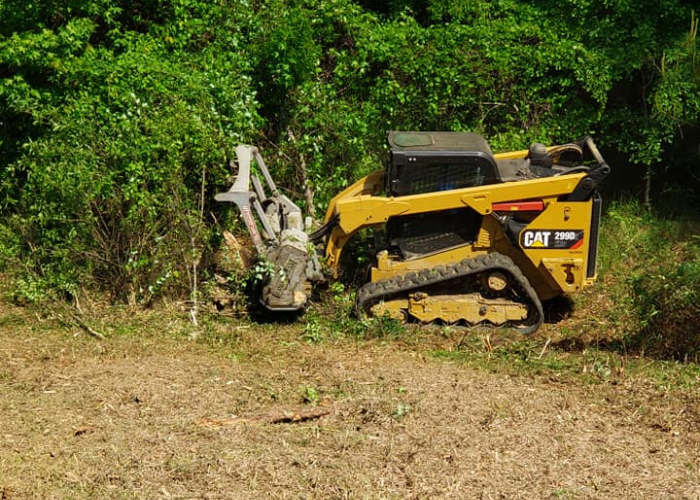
(558, 243)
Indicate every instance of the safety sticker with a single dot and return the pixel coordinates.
(558, 239)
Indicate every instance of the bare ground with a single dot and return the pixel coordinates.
(253, 412)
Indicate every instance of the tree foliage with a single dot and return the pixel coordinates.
(119, 118)
(119, 138)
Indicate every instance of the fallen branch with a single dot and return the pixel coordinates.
(89, 330)
(71, 317)
(299, 416)
(284, 417)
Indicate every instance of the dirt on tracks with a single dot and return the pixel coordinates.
(255, 413)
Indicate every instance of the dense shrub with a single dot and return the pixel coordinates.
(114, 186)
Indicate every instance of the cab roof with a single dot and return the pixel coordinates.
(437, 141)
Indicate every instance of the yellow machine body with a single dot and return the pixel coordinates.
(555, 248)
(554, 270)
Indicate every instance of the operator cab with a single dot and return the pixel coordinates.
(425, 162)
(428, 162)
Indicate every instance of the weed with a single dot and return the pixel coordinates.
(261, 271)
(312, 333)
(385, 326)
(272, 393)
(338, 291)
(563, 493)
(309, 395)
(401, 410)
(601, 369)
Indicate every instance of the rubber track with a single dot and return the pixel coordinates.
(372, 293)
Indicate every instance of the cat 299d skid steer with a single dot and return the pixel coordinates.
(465, 236)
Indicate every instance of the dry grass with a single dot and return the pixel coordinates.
(148, 413)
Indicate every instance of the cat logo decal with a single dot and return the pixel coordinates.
(557, 239)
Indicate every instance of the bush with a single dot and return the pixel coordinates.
(668, 306)
(115, 184)
(650, 275)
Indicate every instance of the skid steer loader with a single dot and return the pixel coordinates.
(465, 236)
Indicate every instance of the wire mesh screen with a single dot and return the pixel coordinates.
(440, 177)
(440, 172)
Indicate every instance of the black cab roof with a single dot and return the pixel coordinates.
(438, 141)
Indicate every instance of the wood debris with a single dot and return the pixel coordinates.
(283, 417)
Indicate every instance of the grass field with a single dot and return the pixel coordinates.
(232, 409)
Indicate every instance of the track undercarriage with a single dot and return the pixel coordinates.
(488, 290)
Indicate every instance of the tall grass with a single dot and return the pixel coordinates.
(650, 275)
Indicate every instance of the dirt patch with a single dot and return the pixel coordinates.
(151, 414)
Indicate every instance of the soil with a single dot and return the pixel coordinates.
(251, 411)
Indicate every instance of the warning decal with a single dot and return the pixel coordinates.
(558, 239)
